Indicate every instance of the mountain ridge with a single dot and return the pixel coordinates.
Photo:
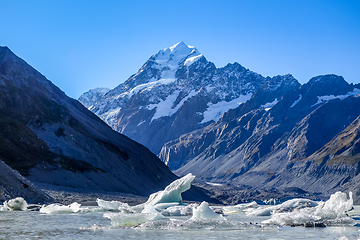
(232, 125)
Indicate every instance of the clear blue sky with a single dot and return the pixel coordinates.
(83, 44)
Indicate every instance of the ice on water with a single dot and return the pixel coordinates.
(59, 208)
(330, 212)
(172, 193)
(16, 204)
(290, 205)
(165, 210)
(205, 212)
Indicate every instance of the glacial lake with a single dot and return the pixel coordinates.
(90, 224)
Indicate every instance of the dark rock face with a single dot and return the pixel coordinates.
(273, 149)
(13, 185)
(51, 138)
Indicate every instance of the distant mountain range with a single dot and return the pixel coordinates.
(50, 138)
(231, 125)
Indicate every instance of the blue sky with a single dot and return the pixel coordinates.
(83, 44)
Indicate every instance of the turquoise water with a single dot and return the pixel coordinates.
(93, 225)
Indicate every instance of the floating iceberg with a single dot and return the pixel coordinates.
(330, 212)
(58, 208)
(17, 204)
(179, 210)
(204, 212)
(113, 205)
(290, 205)
(172, 193)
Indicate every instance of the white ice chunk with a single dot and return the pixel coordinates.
(287, 206)
(332, 211)
(113, 205)
(172, 193)
(59, 208)
(4, 208)
(239, 207)
(180, 210)
(204, 212)
(17, 204)
(132, 219)
(149, 209)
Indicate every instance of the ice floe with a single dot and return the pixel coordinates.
(172, 193)
(16, 204)
(204, 212)
(333, 211)
(59, 208)
(166, 210)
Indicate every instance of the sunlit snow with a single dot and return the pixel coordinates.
(165, 108)
(269, 105)
(215, 111)
(191, 60)
(322, 99)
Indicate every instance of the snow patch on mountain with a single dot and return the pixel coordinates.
(296, 101)
(269, 105)
(191, 60)
(215, 111)
(166, 108)
(323, 99)
(148, 86)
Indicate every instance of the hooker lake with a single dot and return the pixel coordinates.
(165, 216)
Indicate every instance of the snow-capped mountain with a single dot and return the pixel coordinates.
(231, 125)
(176, 91)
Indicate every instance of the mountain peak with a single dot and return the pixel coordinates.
(179, 45)
(170, 59)
(180, 50)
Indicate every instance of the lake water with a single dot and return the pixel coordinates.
(89, 224)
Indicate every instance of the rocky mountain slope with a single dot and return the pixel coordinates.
(51, 138)
(274, 148)
(231, 125)
(176, 91)
(12, 185)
